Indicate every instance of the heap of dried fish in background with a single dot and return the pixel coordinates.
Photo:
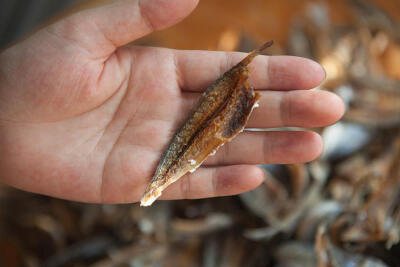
(341, 210)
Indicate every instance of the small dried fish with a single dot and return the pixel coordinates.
(220, 114)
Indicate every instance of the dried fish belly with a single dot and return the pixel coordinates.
(220, 114)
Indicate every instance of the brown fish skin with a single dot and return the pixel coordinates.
(220, 114)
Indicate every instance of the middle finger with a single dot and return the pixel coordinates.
(300, 108)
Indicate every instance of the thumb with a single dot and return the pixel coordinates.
(102, 30)
(58, 80)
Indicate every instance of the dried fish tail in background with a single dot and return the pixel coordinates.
(220, 114)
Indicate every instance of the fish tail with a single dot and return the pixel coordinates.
(246, 61)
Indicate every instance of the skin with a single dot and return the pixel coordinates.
(84, 117)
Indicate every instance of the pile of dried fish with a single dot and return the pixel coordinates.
(341, 210)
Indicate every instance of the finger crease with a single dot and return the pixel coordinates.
(178, 73)
(185, 186)
(214, 182)
(268, 70)
(266, 150)
(146, 19)
(227, 63)
(284, 111)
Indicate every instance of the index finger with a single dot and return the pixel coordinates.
(196, 70)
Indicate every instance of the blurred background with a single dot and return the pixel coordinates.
(340, 210)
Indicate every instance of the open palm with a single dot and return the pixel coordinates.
(85, 118)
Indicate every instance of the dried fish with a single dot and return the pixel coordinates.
(283, 207)
(211, 223)
(295, 254)
(220, 114)
(324, 211)
(331, 256)
(343, 139)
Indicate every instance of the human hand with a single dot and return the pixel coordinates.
(85, 118)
